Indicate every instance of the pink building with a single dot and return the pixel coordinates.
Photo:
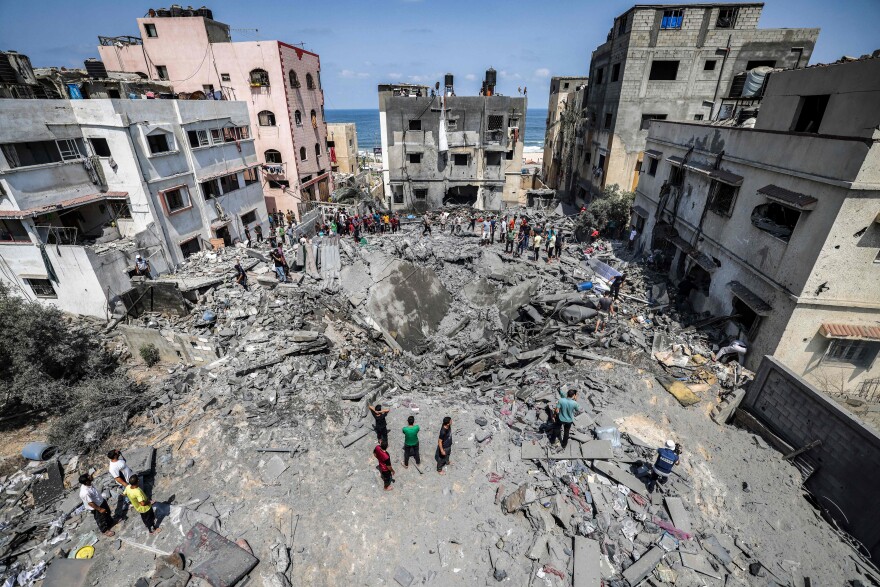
(280, 83)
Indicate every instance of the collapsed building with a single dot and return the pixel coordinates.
(442, 149)
(86, 185)
(260, 459)
(668, 62)
(566, 101)
(775, 221)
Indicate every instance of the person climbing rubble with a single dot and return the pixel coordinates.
(241, 277)
(385, 467)
(735, 350)
(278, 259)
(667, 458)
(95, 502)
(606, 310)
(142, 267)
(566, 409)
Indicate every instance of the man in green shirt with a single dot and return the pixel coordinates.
(566, 408)
(411, 442)
(141, 503)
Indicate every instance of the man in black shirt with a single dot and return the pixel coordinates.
(606, 309)
(381, 425)
(444, 445)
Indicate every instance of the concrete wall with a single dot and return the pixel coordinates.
(847, 463)
(173, 347)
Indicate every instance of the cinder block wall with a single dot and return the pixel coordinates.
(848, 460)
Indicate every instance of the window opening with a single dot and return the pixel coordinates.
(812, 111)
(726, 18)
(672, 19)
(722, 196)
(647, 118)
(415, 157)
(158, 143)
(150, 29)
(259, 78)
(460, 159)
(272, 156)
(776, 219)
(198, 138)
(415, 124)
(302, 154)
(663, 70)
(42, 288)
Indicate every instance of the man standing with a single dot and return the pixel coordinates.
(240, 274)
(443, 218)
(278, 260)
(427, 223)
(487, 228)
(142, 504)
(509, 240)
(259, 232)
(411, 442)
(566, 408)
(492, 229)
(633, 233)
(615, 285)
(381, 425)
(444, 445)
(473, 221)
(667, 457)
(536, 243)
(606, 309)
(119, 468)
(385, 468)
(94, 501)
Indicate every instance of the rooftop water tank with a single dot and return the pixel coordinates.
(755, 81)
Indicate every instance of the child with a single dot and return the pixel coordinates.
(142, 504)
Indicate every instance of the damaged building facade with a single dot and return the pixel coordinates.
(668, 62)
(279, 82)
(778, 225)
(85, 185)
(342, 145)
(484, 134)
(563, 111)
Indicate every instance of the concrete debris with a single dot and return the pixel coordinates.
(269, 443)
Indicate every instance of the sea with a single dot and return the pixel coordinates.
(367, 123)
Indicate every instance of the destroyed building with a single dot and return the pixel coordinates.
(670, 62)
(440, 150)
(342, 145)
(566, 96)
(280, 82)
(86, 185)
(778, 226)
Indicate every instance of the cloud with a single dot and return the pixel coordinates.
(542, 72)
(418, 31)
(504, 74)
(470, 77)
(395, 75)
(349, 74)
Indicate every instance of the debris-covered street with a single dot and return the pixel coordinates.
(261, 462)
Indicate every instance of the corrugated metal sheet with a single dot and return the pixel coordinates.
(675, 160)
(788, 197)
(653, 153)
(751, 299)
(726, 177)
(854, 331)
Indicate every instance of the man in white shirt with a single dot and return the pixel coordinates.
(487, 228)
(95, 502)
(633, 233)
(119, 469)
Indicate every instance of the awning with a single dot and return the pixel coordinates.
(704, 168)
(63, 205)
(726, 177)
(230, 172)
(788, 197)
(850, 331)
(703, 260)
(676, 160)
(219, 224)
(751, 299)
(680, 243)
(639, 211)
(654, 154)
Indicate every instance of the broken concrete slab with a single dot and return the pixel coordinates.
(51, 489)
(219, 561)
(67, 572)
(586, 563)
(141, 460)
(275, 467)
(350, 439)
(643, 567)
(680, 517)
(597, 449)
(403, 577)
(698, 563)
(623, 477)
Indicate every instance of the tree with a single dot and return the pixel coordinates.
(611, 210)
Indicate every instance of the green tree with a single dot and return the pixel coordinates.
(612, 208)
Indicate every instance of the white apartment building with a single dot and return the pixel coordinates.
(85, 185)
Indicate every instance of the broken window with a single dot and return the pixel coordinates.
(279, 184)
(698, 117)
(266, 118)
(496, 122)
(162, 72)
(310, 81)
(294, 80)
(251, 175)
(513, 123)
(721, 197)
(398, 195)
(210, 189)
(493, 159)
(32, 153)
(249, 217)
(860, 353)
(746, 316)
(608, 118)
(615, 72)
(647, 118)
(317, 151)
(621, 26)
(225, 77)
(415, 157)
(229, 183)
(760, 63)
(672, 19)
(811, 111)
(216, 136)
(158, 143)
(460, 159)
(13, 231)
(663, 70)
(190, 247)
(415, 124)
(42, 288)
(652, 167)
(176, 199)
(420, 194)
(726, 18)
(198, 138)
(235, 133)
(709, 65)
(272, 156)
(303, 156)
(298, 118)
(776, 219)
(452, 124)
(150, 29)
(598, 75)
(259, 78)
(676, 176)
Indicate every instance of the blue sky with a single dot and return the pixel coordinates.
(363, 44)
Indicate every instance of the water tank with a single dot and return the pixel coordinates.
(447, 80)
(755, 81)
(491, 77)
(176, 10)
(206, 12)
(95, 68)
(163, 12)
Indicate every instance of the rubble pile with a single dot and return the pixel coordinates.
(264, 456)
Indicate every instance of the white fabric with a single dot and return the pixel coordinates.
(442, 142)
(632, 234)
(119, 468)
(89, 493)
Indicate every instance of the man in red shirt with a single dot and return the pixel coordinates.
(381, 454)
